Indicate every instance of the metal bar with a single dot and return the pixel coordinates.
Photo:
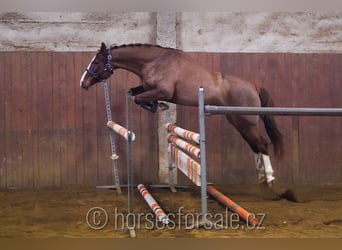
(201, 116)
(170, 166)
(116, 176)
(215, 110)
(130, 181)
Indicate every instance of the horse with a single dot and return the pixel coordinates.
(171, 75)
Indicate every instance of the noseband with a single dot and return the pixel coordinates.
(107, 68)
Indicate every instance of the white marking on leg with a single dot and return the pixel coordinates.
(85, 72)
(264, 168)
(259, 167)
(268, 168)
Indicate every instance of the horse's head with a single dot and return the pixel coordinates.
(99, 68)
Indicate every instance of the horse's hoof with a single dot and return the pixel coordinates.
(149, 106)
(264, 183)
(163, 106)
(262, 180)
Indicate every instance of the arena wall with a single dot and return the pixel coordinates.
(52, 133)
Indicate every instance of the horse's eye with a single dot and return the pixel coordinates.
(96, 62)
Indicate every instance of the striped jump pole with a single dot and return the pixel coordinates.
(185, 134)
(186, 165)
(120, 130)
(188, 147)
(248, 217)
(157, 210)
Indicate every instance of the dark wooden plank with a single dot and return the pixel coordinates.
(338, 103)
(3, 121)
(61, 130)
(29, 114)
(103, 161)
(330, 127)
(72, 86)
(10, 136)
(90, 153)
(45, 119)
(320, 86)
(308, 148)
(117, 88)
(310, 126)
(292, 148)
(35, 119)
(78, 124)
(57, 137)
(20, 116)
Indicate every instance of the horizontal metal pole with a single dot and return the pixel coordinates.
(215, 110)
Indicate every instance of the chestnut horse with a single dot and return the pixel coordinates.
(171, 75)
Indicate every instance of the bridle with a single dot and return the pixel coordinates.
(107, 68)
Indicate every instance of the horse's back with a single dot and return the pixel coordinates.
(241, 92)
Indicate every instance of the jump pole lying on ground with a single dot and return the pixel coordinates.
(244, 214)
(157, 210)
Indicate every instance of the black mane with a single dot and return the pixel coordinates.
(131, 45)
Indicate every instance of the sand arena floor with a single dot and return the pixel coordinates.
(62, 212)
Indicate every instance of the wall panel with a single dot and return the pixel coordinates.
(53, 133)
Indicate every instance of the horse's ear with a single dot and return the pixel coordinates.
(103, 47)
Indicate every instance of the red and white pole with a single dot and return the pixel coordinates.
(157, 210)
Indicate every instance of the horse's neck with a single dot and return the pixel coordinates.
(133, 59)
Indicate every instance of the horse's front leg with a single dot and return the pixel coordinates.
(148, 99)
(150, 106)
(137, 90)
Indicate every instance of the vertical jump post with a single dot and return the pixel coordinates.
(129, 137)
(114, 156)
(201, 116)
(130, 183)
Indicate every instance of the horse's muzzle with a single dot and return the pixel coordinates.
(84, 86)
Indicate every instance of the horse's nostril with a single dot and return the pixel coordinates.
(84, 86)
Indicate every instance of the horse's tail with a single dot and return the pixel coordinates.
(270, 124)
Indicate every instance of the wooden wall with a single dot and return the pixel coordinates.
(53, 133)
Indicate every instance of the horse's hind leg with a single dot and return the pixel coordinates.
(264, 169)
(250, 132)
